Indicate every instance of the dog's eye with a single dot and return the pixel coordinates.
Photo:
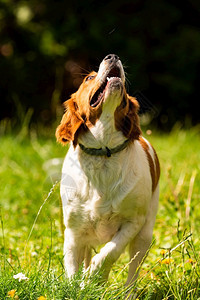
(89, 78)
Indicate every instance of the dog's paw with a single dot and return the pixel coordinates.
(100, 267)
(96, 264)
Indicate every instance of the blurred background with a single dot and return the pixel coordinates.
(47, 47)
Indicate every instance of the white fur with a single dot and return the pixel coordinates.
(107, 200)
(111, 202)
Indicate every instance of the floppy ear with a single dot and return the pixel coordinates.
(127, 119)
(70, 123)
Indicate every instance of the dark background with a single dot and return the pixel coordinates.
(47, 46)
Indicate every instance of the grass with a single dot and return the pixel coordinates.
(31, 238)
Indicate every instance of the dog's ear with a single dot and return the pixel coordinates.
(70, 123)
(127, 119)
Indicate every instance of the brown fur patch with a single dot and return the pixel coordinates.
(70, 123)
(155, 171)
(157, 166)
(126, 117)
(79, 116)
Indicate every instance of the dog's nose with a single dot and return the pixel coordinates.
(111, 58)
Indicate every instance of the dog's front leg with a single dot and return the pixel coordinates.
(73, 253)
(102, 262)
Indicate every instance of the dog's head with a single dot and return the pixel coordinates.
(100, 92)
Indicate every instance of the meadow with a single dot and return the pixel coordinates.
(31, 239)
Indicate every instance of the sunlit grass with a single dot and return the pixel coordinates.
(31, 239)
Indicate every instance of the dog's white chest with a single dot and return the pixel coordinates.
(98, 196)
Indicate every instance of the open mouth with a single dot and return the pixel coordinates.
(100, 93)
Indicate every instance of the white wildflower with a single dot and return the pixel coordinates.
(20, 276)
(82, 285)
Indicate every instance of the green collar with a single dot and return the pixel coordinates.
(106, 151)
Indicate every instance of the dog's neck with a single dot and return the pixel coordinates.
(103, 133)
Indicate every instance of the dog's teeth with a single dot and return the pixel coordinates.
(109, 78)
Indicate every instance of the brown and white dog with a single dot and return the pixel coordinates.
(110, 175)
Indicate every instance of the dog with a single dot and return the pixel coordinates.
(110, 176)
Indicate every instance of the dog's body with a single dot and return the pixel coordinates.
(110, 175)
